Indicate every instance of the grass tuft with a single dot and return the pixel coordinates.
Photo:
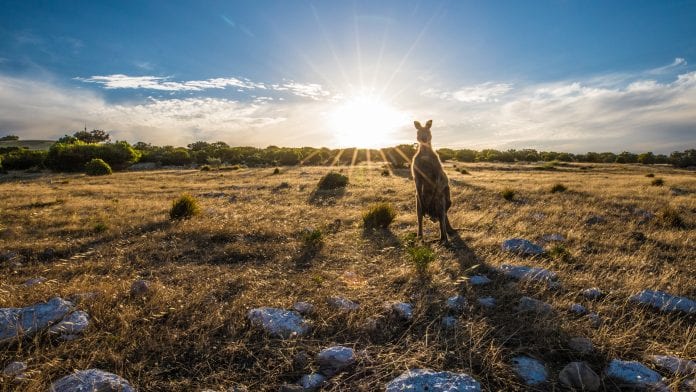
(186, 206)
(650, 175)
(333, 180)
(670, 217)
(658, 182)
(276, 171)
(558, 188)
(508, 194)
(97, 167)
(379, 215)
(421, 257)
(313, 238)
(206, 168)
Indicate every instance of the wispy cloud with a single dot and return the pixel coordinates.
(485, 92)
(120, 81)
(678, 62)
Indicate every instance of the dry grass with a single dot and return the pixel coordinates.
(247, 249)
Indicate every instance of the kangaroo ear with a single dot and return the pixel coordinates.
(429, 124)
(417, 124)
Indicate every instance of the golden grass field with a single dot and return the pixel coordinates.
(245, 249)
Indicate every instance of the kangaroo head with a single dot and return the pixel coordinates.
(424, 135)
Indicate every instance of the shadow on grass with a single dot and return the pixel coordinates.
(320, 197)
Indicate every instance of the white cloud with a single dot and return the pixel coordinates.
(485, 92)
(307, 90)
(120, 81)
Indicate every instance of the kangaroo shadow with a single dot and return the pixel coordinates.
(320, 197)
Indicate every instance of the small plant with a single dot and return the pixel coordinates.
(463, 171)
(658, 182)
(559, 252)
(421, 257)
(410, 239)
(333, 180)
(276, 171)
(100, 227)
(670, 217)
(508, 194)
(184, 207)
(650, 175)
(379, 215)
(313, 238)
(97, 167)
(385, 172)
(206, 168)
(558, 188)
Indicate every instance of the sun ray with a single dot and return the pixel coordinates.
(381, 152)
(337, 157)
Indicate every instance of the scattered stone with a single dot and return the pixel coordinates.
(678, 191)
(456, 303)
(78, 298)
(311, 382)
(532, 371)
(278, 322)
(34, 281)
(47, 254)
(554, 285)
(594, 220)
(634, 374)
(581, 345)
(486, 302)
(303, 308)
(688, 385)
(449, 322)
(373, 324)
(402, 309)
(593, 293)
(300, 360)
(579, 376)
(522, 247)
(15, 322)
(479, 280)
(555, 237)
(139, 288)
(14, 369)
(428, 380)
(8, 255)
(521, 272)
(71, 326)
(595, 319)
(538, 216)
(343, 304)
(644, 215)
(674, 365)
(93, 380)
(334, 359)
(532, 305)
(578, 309)
(664, 301)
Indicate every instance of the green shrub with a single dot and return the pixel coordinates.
(276, 171)
(658, 182)
(650, 175)
(508, 194)
(312, 238)
(379, 215)
(24, 159)
(333, 180)
(421, 257)
(559, 252)
(205, 168)
(100, 227)
(97, 167)
(558, 188)
(670, 217)
(74, 157)
(184, 207)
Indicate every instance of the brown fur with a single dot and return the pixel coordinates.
(432, 185)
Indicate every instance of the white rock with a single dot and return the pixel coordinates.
(34, 281)
(334, 359)
(633, 374)
(402, 309)
(278, 322)
(15, 322)
(593, 293)
(343, 304)
(674, 365)
(449, 322)
(595, 319)
(579, 376)
(456, 303)
(14, 369)
(555, 237)
(486, 302)
(578, 309)
(303, 308)
(74, 324)
(581, 345)
(479, 280)
(532, 305)
(664, 301)
(312, 381)
(532, 371)
(91, 380)
(420, 380)
(521, 272)
(522, 247)
(139, 288)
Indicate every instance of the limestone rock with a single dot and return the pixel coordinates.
(579, 376)
(578, 309)
(486, 302)
(311, 382)
(334, 359)
(479, 280)
(34, 281)
(593, 293)
(674, 365)
(456, 303)
(343, 304)
(402, 309)
(581, 345)
(522, 247)
(449, 322)
(14, 369)
(532, 305)
(303, 308)
(139, 288)
(520, 272)
(278, 322)
(15, 322)
(532, 371)
(664, 301)
(91, 380)
(420, 380)
(74, 324)
(634, 374)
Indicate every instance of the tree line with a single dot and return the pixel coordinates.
(72, 152)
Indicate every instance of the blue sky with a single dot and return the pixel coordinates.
(565, 75)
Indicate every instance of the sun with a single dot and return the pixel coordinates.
(365, 121)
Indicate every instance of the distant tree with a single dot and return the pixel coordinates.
(646, 158)
(446, 154)
(626, 157)
(198, 146)
(67, 139)
(683, 159)
(142, 146)
(8, 138)
(95, 136)
(466, 155)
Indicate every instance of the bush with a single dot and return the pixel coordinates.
(463, 170)
(184, 207)
(658, 182)
(97, 167)
(650, 175)
(312, 238)
(421, 257)
(276, 171)
(74, 157)
(100, 227)
(385, 172)
(333, 180)
(379, 215)
(558, 188)
(508, 194)
(24, 159)
(670, 217)
(216, 162)
(205, 168)
(559, 252)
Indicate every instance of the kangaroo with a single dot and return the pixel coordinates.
(432, 184)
